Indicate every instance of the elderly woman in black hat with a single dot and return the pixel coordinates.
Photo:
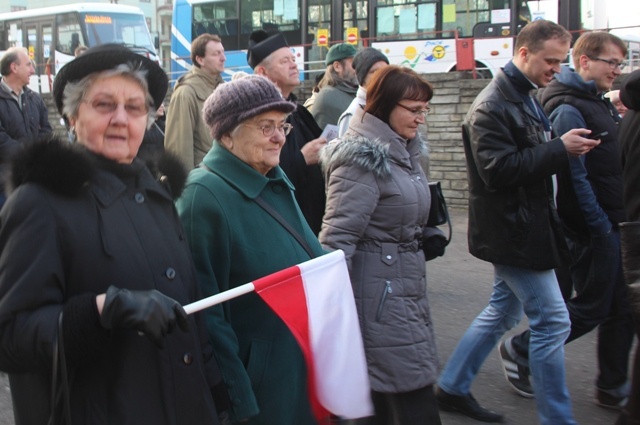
(94, 265)
(235, 210)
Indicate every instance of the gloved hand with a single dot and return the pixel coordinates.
(149, 312)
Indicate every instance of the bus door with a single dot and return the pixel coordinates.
(39, 44)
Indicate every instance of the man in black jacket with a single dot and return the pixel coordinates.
(630, 232)
(23, 115)
(271, 56)
(514, 225)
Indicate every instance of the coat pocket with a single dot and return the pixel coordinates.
(257, 364)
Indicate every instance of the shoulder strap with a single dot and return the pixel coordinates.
(276, 215)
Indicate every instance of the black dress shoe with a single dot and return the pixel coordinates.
(466, 405)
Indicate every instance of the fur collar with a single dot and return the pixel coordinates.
(66, 169)
(372, 155)
(357, 150)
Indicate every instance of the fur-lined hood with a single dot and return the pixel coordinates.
(66, 169)
(358, 150)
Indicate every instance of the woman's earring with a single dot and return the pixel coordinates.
(73, 137)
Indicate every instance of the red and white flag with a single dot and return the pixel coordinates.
(315, 300)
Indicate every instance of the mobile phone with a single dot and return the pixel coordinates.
(599, 135)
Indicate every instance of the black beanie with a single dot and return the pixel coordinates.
(262, 44)
(365, 59)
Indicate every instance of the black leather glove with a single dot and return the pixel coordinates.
(149, 312)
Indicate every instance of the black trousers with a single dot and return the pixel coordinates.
(418, 407)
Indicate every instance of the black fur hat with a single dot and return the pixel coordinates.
(103, 58)
(262, 44)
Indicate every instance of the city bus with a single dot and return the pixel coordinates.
(427, 35)
(51, 34)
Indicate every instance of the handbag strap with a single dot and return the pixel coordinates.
(59, 370)
(276, 215)
(446, 213)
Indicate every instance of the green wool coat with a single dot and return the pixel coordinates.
(234, 241)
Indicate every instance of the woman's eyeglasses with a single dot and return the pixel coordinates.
(268, 130)
(104, 106)
(416, 111)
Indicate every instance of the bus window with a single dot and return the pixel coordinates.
(273, 15)
(318, 17)
(14, 34)
(219, 18)
(68, 35)
(128, 29)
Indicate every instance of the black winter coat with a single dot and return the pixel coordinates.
(307, 179)
(512, 216)
(629, 137)
(76, 224)
(21, 127)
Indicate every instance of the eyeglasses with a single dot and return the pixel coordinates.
(417, 111)
(105, 106)
(612, 64)
(268, 130)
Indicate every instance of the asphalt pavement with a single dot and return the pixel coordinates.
(459, 288)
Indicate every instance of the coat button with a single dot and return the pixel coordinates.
(139, 198)
(388, 257)
(278, 189)
(170, 273)
(187, 358)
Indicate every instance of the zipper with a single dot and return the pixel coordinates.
(387, 290)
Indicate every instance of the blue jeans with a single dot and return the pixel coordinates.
(601, 299)
(536, 293)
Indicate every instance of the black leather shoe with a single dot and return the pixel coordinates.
(466, 405)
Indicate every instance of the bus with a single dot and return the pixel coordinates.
(51, 34)
(427, 35)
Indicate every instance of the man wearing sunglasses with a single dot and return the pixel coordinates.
(590, 204)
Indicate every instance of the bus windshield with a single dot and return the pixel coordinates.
(122, 28)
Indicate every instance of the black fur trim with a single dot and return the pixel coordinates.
(62, 167)
(170, 172)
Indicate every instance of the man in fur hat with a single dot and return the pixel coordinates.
(271, 56)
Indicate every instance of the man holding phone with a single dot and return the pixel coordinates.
(590, 204)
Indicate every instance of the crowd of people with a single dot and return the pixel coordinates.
(106, 234)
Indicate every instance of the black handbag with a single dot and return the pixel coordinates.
(438, 213)
(434, 241)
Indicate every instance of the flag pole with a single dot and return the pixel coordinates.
(219, 298)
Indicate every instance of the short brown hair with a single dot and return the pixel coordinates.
(199, 46)
(534, 34)
(591, 44)
(390, 85)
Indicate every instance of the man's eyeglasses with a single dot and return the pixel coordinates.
(612, 64)
(416, 112)
(105, 106)
(268, 130)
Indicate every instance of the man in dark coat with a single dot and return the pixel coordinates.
(271, 56)
(630, 232)
(23, 114)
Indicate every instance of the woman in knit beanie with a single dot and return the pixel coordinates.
(235, 241)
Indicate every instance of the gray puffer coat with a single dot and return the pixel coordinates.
(377, 204)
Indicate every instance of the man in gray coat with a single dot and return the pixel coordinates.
(338, 87)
